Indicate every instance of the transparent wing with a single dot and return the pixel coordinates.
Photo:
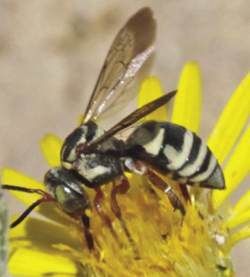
(126, 122)
(129, 52)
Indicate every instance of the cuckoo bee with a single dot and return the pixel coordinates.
(93, 157)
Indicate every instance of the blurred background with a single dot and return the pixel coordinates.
(51, 52)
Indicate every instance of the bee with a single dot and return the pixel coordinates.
(94, 157)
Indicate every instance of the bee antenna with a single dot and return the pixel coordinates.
(26, 213)
(46, 198)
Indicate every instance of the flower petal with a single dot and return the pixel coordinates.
(15, 178)
(187, 105)
(150, 90)
(51, 146)
(231, 121)
(31, 262)
(39, 233)
(238, 236)
(240, 212)
(235, 171)
(238, 220)
(39, 248)
(80, 119)
(243, 204)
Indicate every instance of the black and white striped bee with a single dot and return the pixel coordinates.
(93, 157)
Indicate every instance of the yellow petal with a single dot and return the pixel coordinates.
(238, 220)
(36, 233)
(187, 105)
(51, 147)
(243, 204)
(15, 178)
(235, 171)
(238, 236)
(240, 212)
(231, 121)
(150, 90)
(80, 119)
(32, 262)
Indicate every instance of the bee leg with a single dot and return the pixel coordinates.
(162, 185)
(46, 198)
(185, 193)
(138, 167)
(97, 203)
(122, 188)
(89, 238)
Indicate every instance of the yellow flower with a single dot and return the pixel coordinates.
(198, 245)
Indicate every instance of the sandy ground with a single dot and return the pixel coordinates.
(51, 52)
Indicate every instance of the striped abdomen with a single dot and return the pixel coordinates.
(178, 153)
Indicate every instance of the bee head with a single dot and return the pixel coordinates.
(63, 185)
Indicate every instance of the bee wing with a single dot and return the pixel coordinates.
(131, 48)
(127, 121)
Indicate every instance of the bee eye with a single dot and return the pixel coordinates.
(70, 195)
(70, 200)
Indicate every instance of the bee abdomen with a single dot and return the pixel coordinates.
(189, 159)
(181, 154)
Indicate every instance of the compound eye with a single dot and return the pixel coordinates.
(70, 195)
(70, 200)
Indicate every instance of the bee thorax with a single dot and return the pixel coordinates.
(97, 169)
